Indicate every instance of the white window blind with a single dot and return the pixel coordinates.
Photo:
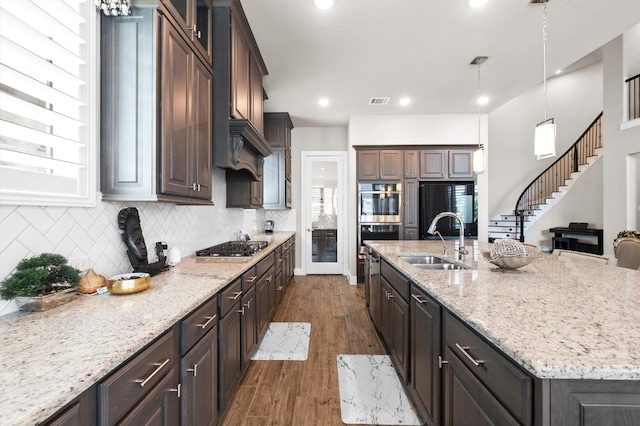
(48, 102)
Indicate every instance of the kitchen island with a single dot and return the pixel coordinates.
(563, 321)
(48, 359)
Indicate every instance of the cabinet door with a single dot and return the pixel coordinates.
(176, 72)
(201, 114)
(262, 302)
(203, 31)
(467, 401)
(199, 373)
(391, 164)
(80, 412)
(399, 333)
(410, 193)
(385, 311)
(425, 354)
(256, 198)
(369, 164)
(249, 322)
(411, 164)
(230, 353)
(433, 164)
(256, 97)
(375, 299)
(159, 407)
(274, 180)
(240, 74)
(410, 233)
(461, 164)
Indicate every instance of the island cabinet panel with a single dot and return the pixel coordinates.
(479, 371)
(143, 388)
(394, 316)
(79, 412)
(594, 403)
(425, 355)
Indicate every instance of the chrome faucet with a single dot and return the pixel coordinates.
(432, 228)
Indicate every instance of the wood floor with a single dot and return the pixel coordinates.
(306, 392)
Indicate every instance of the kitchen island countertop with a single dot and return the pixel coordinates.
(48, 359)
(558, 317)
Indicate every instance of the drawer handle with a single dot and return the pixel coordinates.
(248, 305)
(279, 260)
(280, 288)
(193, 370)
(209, 319)
(236, 295)
(241, 311)
(160, 366)
(269, 278)
(178, 389)
(252, 279)
(464, 350)
(418, 299)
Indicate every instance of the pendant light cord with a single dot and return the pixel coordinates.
(478, 105)
(544, 56)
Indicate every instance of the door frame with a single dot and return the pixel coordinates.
(340, 267)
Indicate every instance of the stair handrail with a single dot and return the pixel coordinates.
(562, 166)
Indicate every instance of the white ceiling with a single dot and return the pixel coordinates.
(419, 48)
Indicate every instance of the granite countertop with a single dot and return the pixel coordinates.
(559, 318)
(47, 359)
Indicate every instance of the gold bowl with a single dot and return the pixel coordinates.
(129, 283)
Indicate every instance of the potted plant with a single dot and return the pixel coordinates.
(41, 283)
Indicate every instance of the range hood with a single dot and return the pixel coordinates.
(244, 151)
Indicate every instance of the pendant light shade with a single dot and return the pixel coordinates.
(545, 139)
(478, 159)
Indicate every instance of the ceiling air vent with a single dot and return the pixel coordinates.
(379, 101)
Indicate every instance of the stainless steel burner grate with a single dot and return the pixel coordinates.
(233, 249)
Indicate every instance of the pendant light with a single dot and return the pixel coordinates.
(545, 132)
(478, 153)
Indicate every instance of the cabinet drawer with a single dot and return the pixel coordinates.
(505, 380)
(264, 265)
(230, 296)
(278, 259)
(249, 279)
(130, 383)
(398, 281)
(197, 324)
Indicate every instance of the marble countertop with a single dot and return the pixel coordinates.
(560, 317)
(47, 359)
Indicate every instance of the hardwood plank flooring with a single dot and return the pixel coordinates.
(306, 392)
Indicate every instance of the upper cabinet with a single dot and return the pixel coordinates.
(194, 19)
(277, 166)
(383, 164)
(238, 129)
(446, 164)
(156, 124)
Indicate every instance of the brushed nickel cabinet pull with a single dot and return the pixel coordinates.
(252, 279)
(178, 389)
(241, 311)
(193, 370)
(160, 366)
(464, 350)
(418, 299)
(441, 362)
(209, 319)
(236, 295)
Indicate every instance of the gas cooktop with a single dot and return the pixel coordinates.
(233, 249)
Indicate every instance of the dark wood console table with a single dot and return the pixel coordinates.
(570, 239)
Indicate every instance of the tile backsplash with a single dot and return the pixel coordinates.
(93, 232)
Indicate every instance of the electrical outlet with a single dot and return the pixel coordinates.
(81, 263)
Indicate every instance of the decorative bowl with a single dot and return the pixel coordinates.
(510, 261)
(129, 283)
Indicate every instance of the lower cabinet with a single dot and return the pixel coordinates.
(249, 324)
(425, 355)
(145, 389)
(394, 316)
(230, 340)
(263, 288)
(79, 412)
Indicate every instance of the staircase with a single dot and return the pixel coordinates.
(550, 186)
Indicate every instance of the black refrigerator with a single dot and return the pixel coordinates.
(458, 197)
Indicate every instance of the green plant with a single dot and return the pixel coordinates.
(40, 275)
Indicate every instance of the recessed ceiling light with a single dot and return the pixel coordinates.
(476, 3)
(482, 100)
(323, 102)
(558, 71)
(404, 101)
(323, 4)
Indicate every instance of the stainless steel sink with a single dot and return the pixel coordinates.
(430, 261)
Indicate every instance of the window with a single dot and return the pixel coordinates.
(48, 102)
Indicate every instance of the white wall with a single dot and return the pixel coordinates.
(310, 139)
(574, 100)
(436, 129)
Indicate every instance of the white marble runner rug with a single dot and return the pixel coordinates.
(371, 392)
(284, 341)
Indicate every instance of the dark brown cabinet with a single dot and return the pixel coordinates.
(394, 316)
(433, 164)
(410, 194)
(144, 388)
(186, 119)
(324, 245)
(277, 166)
(230, 342)
(460, 164)
(194, 18)
(425, 355)
(411, 164)
(145, 54)
(79, 412)
(249, 323)
(381, 164)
